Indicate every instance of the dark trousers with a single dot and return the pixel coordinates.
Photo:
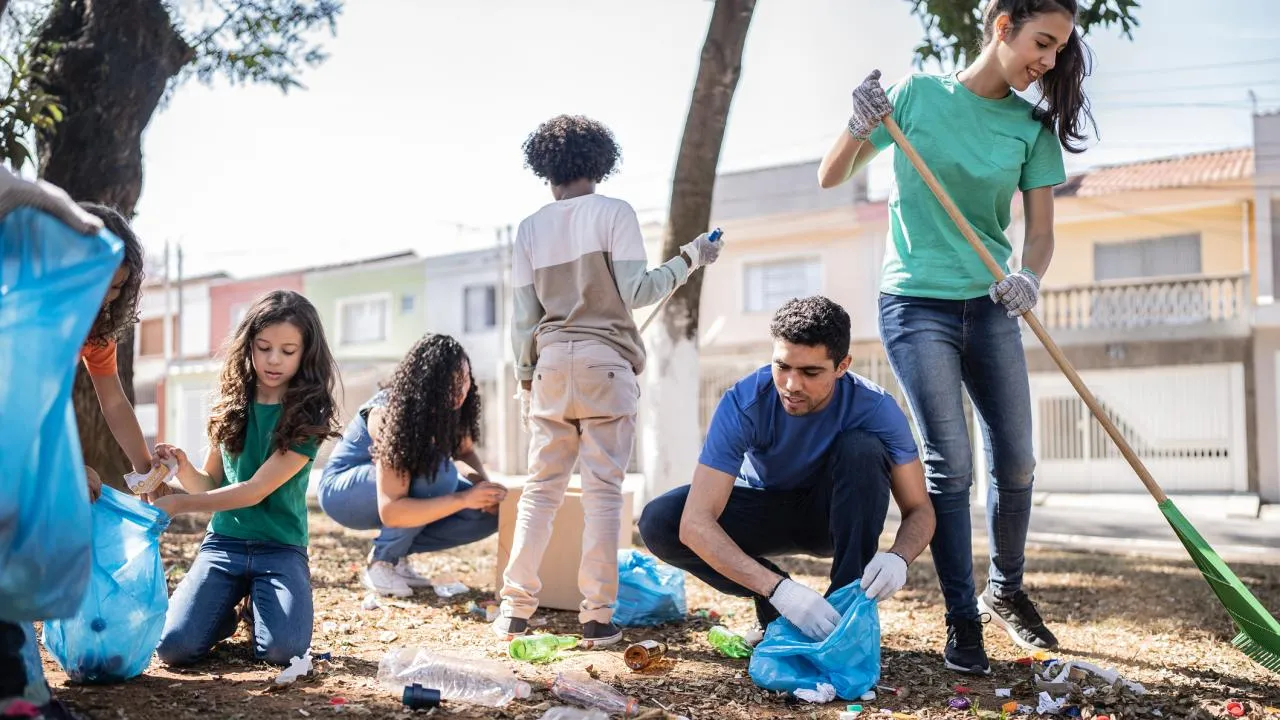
(13, 673)
(839, 515)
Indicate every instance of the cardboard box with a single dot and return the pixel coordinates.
(559, 571)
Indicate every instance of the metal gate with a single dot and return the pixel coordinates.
(1186, 423)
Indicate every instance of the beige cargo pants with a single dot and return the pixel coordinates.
(583, 410)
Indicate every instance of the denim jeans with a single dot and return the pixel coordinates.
(350, 497)
(935, 348)
(202, 610)
(840, 516)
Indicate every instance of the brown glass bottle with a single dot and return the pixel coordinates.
(641, 655)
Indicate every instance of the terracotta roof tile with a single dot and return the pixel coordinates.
(1171, 172)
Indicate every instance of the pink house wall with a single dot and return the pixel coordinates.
(224, 297)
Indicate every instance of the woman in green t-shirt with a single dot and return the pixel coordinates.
(275, 407)
(946, 326)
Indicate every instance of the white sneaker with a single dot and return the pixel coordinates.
(382, 578)
(410, 576)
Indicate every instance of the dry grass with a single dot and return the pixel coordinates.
(1153, 620)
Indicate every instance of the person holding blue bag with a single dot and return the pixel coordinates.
(46, 271)
(800, 456)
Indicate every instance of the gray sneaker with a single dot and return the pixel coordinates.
(510, 627)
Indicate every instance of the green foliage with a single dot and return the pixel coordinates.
(24, 107)
(953, 28)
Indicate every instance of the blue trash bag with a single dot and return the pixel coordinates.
(849, 659)
(52, 282)
(112, 636)
(649, 592)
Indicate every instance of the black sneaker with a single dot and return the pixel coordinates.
(1018, 616)
(765, 612)
(510, 627)
(964, 652)
(598, 634)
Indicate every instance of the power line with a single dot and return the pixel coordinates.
(1211, 66)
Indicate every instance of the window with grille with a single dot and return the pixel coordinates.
(364, 320)
(479, 308)
(767, 285)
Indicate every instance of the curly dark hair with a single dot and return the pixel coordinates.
(309, 409)
(117, 316)
(813, 321)
(421, 428)
(571, 147)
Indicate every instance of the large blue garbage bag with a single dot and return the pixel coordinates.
(649, 592)
(849, 659)
(52, 281)
(112, 636)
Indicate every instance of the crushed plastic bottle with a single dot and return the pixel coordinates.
(539, 648)
(572, 713)
(581, 689)
(482, 682)
(729, 643)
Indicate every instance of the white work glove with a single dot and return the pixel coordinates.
(526, 400)
(884, 576)
(805, 608)
(1018, 292)
(870, 105)
(16, 192)
(702, 251)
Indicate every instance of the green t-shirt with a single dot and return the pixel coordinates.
(981, 150)
(282, 516)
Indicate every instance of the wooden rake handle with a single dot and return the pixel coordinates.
(1029, 317)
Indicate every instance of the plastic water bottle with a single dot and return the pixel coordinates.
(539, 648)
(729, 643)
(482, 682)
(581, 689)
(573, 713)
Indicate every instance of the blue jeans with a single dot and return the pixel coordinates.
(202, 610)
(935, 348)
(350, 497)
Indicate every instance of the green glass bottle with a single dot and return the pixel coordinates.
(730, 644)
(539, 648)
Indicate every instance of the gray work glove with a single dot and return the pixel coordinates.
(1018, 292)
(701, 251)
(870, 105)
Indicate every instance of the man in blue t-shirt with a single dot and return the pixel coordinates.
(801, 456)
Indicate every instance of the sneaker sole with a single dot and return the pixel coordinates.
(1008, 628)
(506, 636)
(590, 644)
(966, 670)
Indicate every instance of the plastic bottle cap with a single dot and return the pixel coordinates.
(523, 690)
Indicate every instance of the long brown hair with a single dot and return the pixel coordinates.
(1064, 106)
(308, 408)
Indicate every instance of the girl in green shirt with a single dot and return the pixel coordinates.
(947, 328)
(275, 409)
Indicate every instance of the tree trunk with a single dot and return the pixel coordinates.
(111, 62)
(671, 433)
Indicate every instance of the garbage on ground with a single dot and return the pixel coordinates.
(641, 655)
(822, 694)
(298, 666)
(1235, 709)
(649, 592)
(753, 636)
(729, 643)
(1050, 705)
(447, 586)
(868, 696)
(482, 682)
(1085, 668)
(370, 602)
(1010, 707)
(959, 702)
(849, 713)
(113, 634)
(962, 690)
(416, 697)
(895, 691)
(581, 689)
(1004, 692)
(561, 712)
(848, 659)
(539, 648)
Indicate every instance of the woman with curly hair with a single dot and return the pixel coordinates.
(275, 408)
(119, 313)
(407, 465)
(578, 270)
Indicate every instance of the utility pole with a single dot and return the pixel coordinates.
(166, 326)
(507, 420)
(177, 330)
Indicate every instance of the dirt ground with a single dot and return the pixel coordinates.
(1153, 620)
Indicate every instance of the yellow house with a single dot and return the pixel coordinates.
(1154, 296)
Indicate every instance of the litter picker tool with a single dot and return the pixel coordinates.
(713, 236)
(1259, 632)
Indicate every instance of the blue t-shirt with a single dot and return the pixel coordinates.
(754, 439)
